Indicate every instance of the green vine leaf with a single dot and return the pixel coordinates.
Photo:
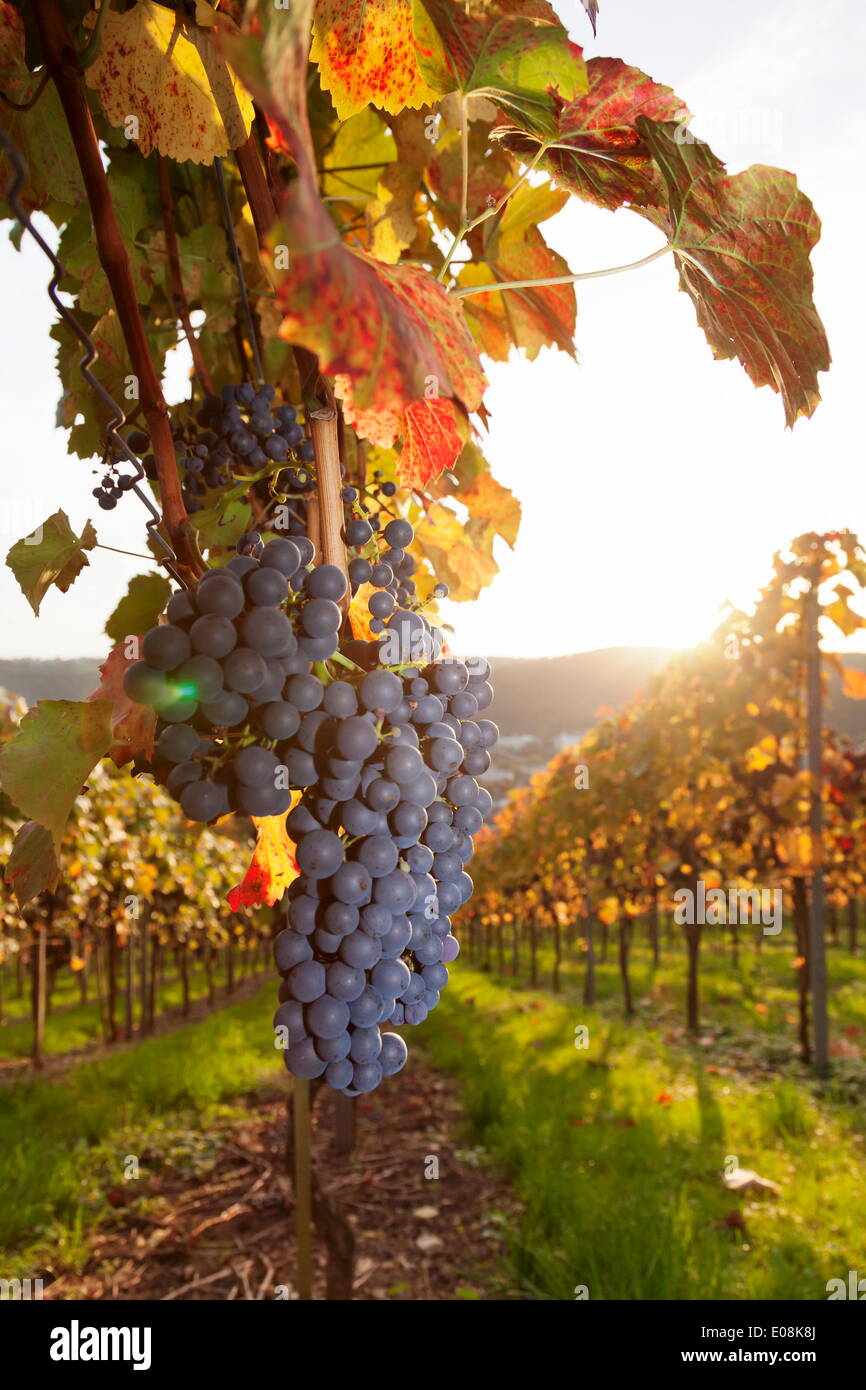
(52, 555)
(140, 606)
(32, 866)
(45, 764)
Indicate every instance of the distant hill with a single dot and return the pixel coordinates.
(50, 680)
(555, 696)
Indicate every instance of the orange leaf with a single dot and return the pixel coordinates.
(272, 867)
(489, 500)
(360, 616)
(664, 1098)
(132, 725)
(854, 683)
(431, 442)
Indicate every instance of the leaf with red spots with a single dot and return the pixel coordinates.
(514, 249)
(41, 134)
(157, 68)
(391, 331)
(431, 442)
(741, 244)
(272, 867)
(597, 152)
(366, 54)
(133, 727)
(518, 55)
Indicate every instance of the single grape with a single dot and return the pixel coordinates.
(204, 801)
(319, 854)
(213, 635)
(177, 743)
(326, 581)
(165, 647)
(327, 1017)
(307, 981)
(228, 709)
(220, 592)
(393, 1055)
(290, 949)
(244, 670)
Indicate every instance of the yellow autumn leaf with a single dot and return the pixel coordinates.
(390, 216)
(366, 52)
(853, 683)
(608, 911)
(360, 616)
(489, 500)
(760, 755)
(163, 79)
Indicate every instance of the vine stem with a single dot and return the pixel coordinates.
(176, 278)
(465, 225)
(61, 61)
(494, 287)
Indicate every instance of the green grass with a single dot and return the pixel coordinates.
(64, 1142)
(72, 1025)
(617, 1150)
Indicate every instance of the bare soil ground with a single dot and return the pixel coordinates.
(228, 1233)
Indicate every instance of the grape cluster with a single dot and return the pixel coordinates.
(222, 672)
(383, 832)
(112, 487)
(238, 433)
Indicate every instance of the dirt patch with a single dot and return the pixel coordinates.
(229, 1234)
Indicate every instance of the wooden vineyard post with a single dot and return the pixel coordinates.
(589, 969)
(39, 960)
(817, 948)
(303, 1187)
(323, 430)
(344, 1112)
(130, 984)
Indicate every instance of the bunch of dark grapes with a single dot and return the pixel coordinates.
(238, 433)
(222, 675)
(259, 697)
(380, 552)
(383, 832)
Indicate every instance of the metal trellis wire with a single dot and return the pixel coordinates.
(236, 260)
(19, 178)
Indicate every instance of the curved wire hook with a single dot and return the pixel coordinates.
(118, 416)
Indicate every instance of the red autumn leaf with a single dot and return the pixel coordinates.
(132, 726)
(431, 442)
(365, 50)
(392, 331)
(600, 155)
(742, 244)
(272, 867)
(664, 1098)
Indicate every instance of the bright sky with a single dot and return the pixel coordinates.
(655, 482)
